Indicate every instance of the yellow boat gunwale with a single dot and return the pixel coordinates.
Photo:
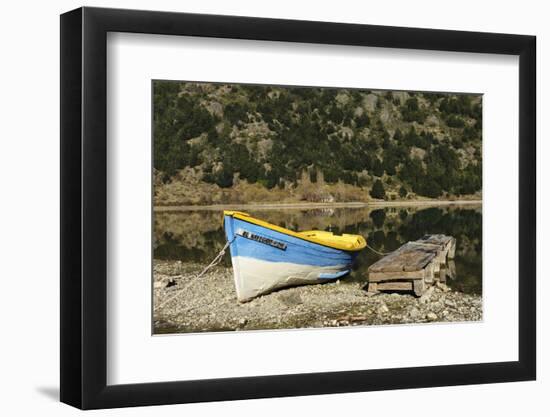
(350, 243)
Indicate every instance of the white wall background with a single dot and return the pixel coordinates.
(29, 225)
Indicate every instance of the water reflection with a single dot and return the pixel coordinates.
(196, 236)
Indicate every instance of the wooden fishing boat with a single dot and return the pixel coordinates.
(266, 257)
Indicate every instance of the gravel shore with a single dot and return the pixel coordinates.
(209, 304)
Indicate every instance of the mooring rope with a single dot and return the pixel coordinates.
(377, 252)
(212, 264)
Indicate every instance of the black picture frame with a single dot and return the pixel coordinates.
(84, 207)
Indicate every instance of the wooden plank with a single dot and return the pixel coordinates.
(410, 257)
(451, 269)
(392, 275)
(417, 260)
(452, 249)
(441, 240)
(395, 286)
(429, 273)
(419, 287)
(373, 287)
(442, 277)
(388, 262)
(420, 262)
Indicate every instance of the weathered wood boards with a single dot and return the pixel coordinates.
(414, 265)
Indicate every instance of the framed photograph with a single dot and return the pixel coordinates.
(257, 208)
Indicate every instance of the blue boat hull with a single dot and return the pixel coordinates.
(265, 259)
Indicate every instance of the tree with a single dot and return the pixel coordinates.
(306, 130)
(397, 135)
(224, 177)
(411, 137)
(457, 143)
(176, 119)
(313, 175)
(378, 190)
(235, 113)
(429, 188)
(455, 121)
(377, 168)
(412, 112)
(362, 121)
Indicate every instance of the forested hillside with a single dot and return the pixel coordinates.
(220, 143)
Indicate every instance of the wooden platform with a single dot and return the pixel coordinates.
(414, 266)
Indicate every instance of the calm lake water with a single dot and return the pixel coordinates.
(197, 235)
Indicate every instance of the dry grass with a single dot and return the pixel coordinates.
(186, 189)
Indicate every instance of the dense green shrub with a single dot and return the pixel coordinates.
(455, 121)
(310, 131)
(378, 190)
(412, 112)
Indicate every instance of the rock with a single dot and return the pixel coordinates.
(290, 299)
(426, 296)
(437, 306)
(414, 313)
(298, 307)
(432, 121)
(442, 287)
(164, 283)
(383, 309)
(431, 316)
(215, 108)
(450, 303)
(342, 98)
(385, 115)
(369, 102)
(402, 96)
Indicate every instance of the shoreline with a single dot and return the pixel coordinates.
(209, 304)
(271, 206)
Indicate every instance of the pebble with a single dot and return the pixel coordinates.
(383, 309)
(426, 296)
(414, 313)
(343, 304)
(437, 305)
(431, 316)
